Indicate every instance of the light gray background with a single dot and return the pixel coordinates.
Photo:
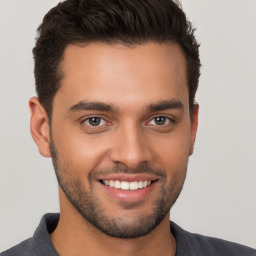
(219, 194)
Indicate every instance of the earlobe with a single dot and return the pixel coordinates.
(194, 125)
(39, 127)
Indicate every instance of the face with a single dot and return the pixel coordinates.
(121, 134)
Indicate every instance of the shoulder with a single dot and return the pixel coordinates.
(40, 243)
(22, 249)
(195, 244)
(216, 246)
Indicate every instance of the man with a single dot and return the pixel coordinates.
(116, 82)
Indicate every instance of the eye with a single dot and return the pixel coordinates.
(95, 121)
(160, 121)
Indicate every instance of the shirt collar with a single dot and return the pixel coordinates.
(43, 244)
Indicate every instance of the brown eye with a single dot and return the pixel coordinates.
(160, 120)
(95, 121)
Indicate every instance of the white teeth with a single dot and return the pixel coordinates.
(117, 184)
(134, 185)
(106, 182)
(125, 185)
(111, 183)
(140, 184)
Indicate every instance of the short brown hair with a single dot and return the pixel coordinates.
(112, 21)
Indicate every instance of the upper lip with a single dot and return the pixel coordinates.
(129, 177)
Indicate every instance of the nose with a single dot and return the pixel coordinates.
(130, 147)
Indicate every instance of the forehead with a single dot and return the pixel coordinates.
(117, 74)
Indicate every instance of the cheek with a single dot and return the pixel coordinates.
(82, 153)
(174, 151)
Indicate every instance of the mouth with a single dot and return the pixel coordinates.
(128, 188)
(126, 185)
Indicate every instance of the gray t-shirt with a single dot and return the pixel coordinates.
(188, 244)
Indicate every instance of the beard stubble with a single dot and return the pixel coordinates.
(87, 204)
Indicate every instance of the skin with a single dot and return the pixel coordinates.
(130, 80)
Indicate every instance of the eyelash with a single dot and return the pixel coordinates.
(94, 117)
(87, 120)
(165, 119)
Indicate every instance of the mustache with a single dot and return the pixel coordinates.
(122, 169)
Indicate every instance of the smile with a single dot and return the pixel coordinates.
(128, 187)
(125, 185)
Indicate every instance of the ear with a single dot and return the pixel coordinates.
(193, 129)
(39, 127)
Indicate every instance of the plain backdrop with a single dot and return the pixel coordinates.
(219, 194)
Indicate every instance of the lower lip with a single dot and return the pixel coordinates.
(129, 195)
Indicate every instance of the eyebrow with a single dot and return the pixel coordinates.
(94, 105)
(164, 105)
(100, 106)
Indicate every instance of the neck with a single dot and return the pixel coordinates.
(76, 236)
